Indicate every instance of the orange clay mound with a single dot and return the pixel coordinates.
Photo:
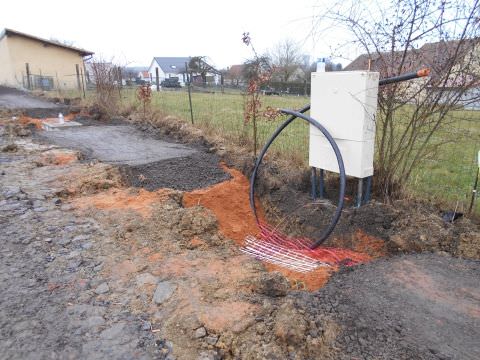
(229, 201)
(371, 245)
(139, 200)
(58, 157)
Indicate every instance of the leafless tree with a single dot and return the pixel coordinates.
(400, 36)
(199, 65)
(286, 57)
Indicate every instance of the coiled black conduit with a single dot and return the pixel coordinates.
(341, 167)
(300, 114)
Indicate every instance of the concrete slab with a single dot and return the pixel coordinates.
(117, 144)
(57, 126)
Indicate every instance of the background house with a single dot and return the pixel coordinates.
(169, 67)
(136, 74)
(464, 78)
(30, 62)
(182, 68)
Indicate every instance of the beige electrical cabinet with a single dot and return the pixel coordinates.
(345, 103)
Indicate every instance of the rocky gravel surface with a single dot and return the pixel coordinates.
(52, 303)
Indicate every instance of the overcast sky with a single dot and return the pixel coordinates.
(135, 31)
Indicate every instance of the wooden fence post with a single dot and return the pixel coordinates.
(29, 84)
(83, 83)
(119, 81)
(189, 92)
(157, 79)
(77, 70)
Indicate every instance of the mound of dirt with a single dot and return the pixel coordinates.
(58, 157)
(376, 228)
(195, 171)
(417, 306)
(230, 203)
(89, 179)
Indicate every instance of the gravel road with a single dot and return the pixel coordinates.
(52, 302)
(16, 99)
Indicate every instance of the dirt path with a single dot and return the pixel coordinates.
(53, 298)
(415, 306)
(15, 99)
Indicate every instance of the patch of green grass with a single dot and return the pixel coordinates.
(224, 114)
(448, 174)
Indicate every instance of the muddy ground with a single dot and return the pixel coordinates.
(97, 262)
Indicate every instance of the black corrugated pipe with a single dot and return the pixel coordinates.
(300, 114)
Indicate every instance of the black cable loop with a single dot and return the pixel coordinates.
(293, 115)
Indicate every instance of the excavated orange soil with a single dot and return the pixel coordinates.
(139, 200)
(58, 157)
(368, 244)
(26, 120)
(311, 281)
(229, 201)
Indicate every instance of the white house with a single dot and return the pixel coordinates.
(169, 67)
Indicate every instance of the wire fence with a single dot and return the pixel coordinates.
(446, 176)
(221, 109)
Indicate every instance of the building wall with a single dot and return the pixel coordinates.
(43, 59)
(6, 72)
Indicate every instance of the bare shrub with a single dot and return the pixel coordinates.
(258, 72)
(144, 95)
(107, 78)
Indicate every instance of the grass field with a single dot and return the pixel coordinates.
(224, 114)
(446, 176)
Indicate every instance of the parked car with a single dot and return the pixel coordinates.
(270, 91)
(170, 83)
